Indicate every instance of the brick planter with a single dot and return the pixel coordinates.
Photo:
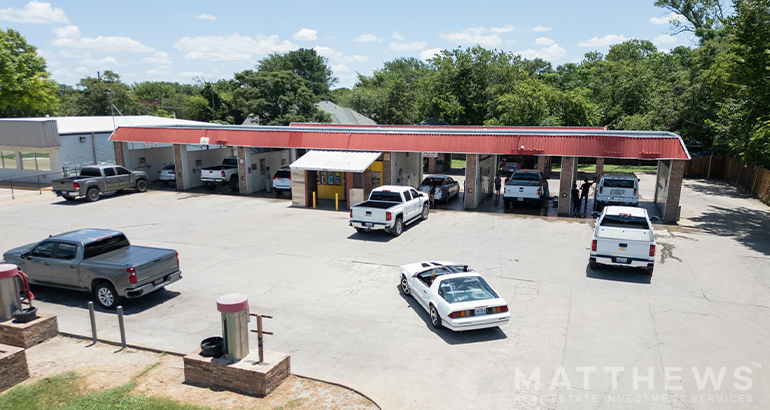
(246, 376)
(13, 366)
(29, 334)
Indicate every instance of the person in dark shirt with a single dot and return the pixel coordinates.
(584, 193)
(498, 184)
(575, 200)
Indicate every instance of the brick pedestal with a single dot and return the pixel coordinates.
(246, 376)
(13, 366)
(31, 333)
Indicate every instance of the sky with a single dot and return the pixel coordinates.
(173, 40)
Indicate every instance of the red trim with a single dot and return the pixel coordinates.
(8, 270)
(232, 303)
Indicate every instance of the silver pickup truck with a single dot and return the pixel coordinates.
(99, 261)
(99, 179)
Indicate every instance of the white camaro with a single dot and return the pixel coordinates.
(455, 296)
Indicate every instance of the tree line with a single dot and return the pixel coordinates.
(716, 94)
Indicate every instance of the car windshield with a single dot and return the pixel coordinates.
(625, 221)
(170, 166)
(385, 196)
(433, 181)
(618, 183)
(467, 289)
(90, 172)
(524, 178)
(104, 245)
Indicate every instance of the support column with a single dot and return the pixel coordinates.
(19, 160)
(367, 181)
(493, 175)
(431, 165)
(541, 162)
(471, 176)
(568, 176)
(599, 166)
(386, 171)
(311, 185)
(675, 179)
(293, 155)
(118, 152)
(298, 188)
(182, 171)
(348, 184)
(245, 184)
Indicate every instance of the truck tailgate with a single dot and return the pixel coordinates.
(513, 191)
(150, 263)
(63, 185)
(635, 243)
(368, 214)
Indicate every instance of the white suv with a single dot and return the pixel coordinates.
(282, 180)
(616, 189)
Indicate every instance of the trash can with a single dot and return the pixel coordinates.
(10, 298)
(234, 308)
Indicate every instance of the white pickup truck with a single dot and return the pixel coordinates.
(624, 237)
(227, 173)
(526, 185)
(390, 208)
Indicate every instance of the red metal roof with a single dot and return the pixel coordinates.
(439, 127)
(551, 142)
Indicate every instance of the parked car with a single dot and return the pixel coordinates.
(508, 166)
(526, 185)
(282, 181)
(624, 237)
(167, 174)
(616, 189)
(389, 208)
(455, 296)
(100, 261)
(99, 179)
(446, 188)
(227, 173)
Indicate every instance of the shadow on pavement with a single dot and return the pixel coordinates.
(750, 227)
(630, 275)
(80, 299)
(716, 188)
(451, 337)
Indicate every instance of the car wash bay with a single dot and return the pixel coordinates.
(401, 151)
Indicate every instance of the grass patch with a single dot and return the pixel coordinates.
(639, 169)
(458, 163)
(49, 393)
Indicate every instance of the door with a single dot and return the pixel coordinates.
(420, 290)
(125, 178)
(111, 180)
(64, 268)
(416, 203)
(39, 269)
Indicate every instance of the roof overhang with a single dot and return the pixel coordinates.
(335, 161)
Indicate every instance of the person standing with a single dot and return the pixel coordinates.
(575, 200)
(432, 195)
(584, 193)
(498, 183)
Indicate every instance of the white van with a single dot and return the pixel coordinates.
(616, 189)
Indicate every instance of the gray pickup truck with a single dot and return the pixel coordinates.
(99, 179)
(99, 261)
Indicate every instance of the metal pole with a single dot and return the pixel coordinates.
(122, 327)
(11, 181)
(313, 199)
(39, 188)
(93, 321)
(259, 339)
(336, 201)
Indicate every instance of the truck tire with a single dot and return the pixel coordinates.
(105, 295)
(141, 185)
(398, 227)
(233, 183)
(425, 212)
(361, 230)
(92, 194)
(506, 203)
(593, 265)
(649, 270)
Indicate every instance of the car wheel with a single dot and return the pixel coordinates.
(425, 212)
(92, 194)
(165, 183)
(233, 183)
(507, 203)
(360, 230)
(398, 227)
(405, 286)
(106, 295)
(593, 265)
(141, 185)
(435, 319)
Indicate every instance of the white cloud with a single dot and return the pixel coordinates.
(367, 38)
(356, 58)
(473, 35)
(62, 72)
(664, 39)
(106, 61)
(429, 53)
(192, 74)
(81, 70)
(540, 29)
(397, 35)
(306, 34)
(205, 16)
(552, 52)
(73, 54)
(507, 29)
(158, 58)
(128, 75)
(338, 56)
(327, 52)
(415, 45)
(667, 18)
(69, 36)
(607, 40)
(340, 68)
(543, 41)
(162, 70)
(233, 47)
(34, 12)
(53, 63)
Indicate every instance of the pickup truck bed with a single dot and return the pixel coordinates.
(377, 204)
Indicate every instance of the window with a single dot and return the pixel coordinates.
(433, 181)
(385, 196)
(623, 221)
(414, 194)
(43, 161)
(105, 245)
(44, 250)
(66, 251)
(618, 183)
(123, 171)
(282, 174)
(7, 160)
(109, 172)
(466, 289)
(407, 196)
(90, 172)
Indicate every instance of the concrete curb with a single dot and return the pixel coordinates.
(178, 354)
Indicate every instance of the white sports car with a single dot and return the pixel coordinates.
(455, 296)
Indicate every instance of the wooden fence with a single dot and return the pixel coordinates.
(752, 178)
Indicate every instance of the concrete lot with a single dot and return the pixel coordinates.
(338, 310)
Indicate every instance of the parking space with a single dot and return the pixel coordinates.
(338, 310)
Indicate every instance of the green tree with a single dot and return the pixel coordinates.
(278, 98)
(94, 96)
(25, 87)
(307, 64)
(197, 109)
(702, 17)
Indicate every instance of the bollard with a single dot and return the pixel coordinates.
(313, 199)
(336, 202)
(39, 187)
(93, 321)
(122, 327)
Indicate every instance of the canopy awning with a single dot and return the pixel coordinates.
(336, 161)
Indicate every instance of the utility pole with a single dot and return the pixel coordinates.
(112, 112)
